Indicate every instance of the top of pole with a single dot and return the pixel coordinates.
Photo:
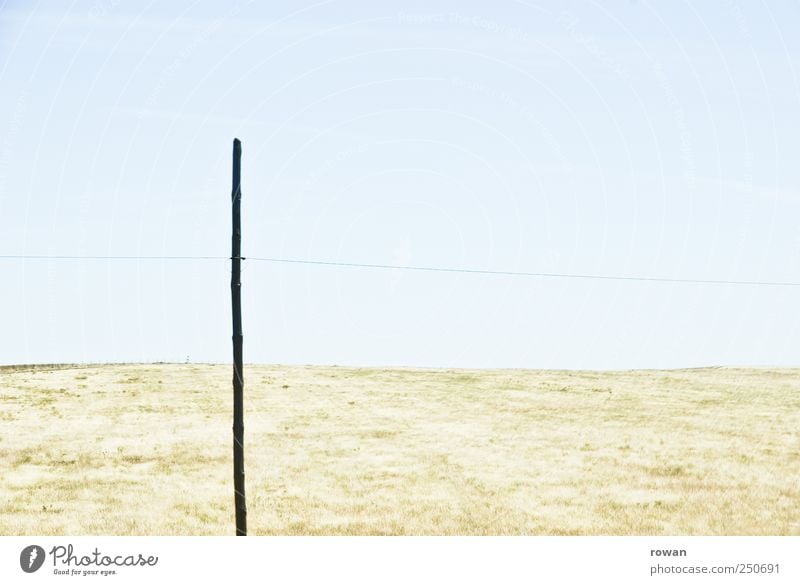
(236, 193)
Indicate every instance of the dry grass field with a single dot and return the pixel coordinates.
(146, 450)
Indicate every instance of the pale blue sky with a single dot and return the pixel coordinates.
(626, 138)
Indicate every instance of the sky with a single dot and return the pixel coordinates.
(625, 138)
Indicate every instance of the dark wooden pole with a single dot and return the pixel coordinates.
(238, 368)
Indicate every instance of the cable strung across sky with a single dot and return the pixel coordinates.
(451, 270)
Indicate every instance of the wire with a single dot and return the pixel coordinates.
(531, 274)
(423, 269)
(44, 257)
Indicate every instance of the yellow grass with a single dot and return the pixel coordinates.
(146, 449)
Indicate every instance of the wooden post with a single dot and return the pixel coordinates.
(238, 368)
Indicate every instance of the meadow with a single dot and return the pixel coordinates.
(146, 449)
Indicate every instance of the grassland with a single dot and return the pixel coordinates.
(146, 450)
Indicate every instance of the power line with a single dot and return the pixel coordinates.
(329, 263)
(530, 274)
(46, 257)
